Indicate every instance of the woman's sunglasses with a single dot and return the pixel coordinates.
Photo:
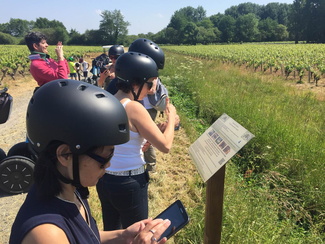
(100, 159)
(150, 84)
(113, 56)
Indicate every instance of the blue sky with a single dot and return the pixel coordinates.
(143, 15)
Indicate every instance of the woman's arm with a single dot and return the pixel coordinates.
(102, 77)
(141, 120)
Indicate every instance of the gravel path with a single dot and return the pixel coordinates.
(12, 132)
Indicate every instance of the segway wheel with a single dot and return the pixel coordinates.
(2, 154)
(16, 174)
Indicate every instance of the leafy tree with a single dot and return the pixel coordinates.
(53, 29)
(7, 39)
(267, 29)
(160, 37)
(190, 32)
(249, 8)
(281, 33)
(314, 14)
(43, 23)
(227, 26)
(17, 27)
(270, 30)
(54, 35)
(113, 27)
(177, 22)
(244, 9)
(297, 22)
(232, 11)
(172, 35)
(276, 11)
(93, 37)
(247, 28)
(284, 14)
(215, 19)
(3, 27)
(75, 38)
(190, 14)
(206, 23)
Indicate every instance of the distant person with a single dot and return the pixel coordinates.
(77, 67)
(84, 67)
(73, 71)
(73, 155)
(42, 67)
(107, 74)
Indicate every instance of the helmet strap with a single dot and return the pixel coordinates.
(75, 171)
(136, 96)
(75, 167)
(83, 191)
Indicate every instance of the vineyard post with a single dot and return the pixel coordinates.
(214, 207)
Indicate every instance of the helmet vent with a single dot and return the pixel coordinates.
(82, 87)
(63, 83)
(122, 127)
(100, 95)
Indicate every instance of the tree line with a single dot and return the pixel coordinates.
(303, 20)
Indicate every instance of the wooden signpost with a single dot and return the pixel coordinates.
(210, 153)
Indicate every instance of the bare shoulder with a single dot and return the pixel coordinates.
(46, 233)
(137, 113)
(135, 106)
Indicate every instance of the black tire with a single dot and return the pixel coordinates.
(20, 149)
(2, 154)
(16, 174)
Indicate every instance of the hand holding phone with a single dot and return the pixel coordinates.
(178, 216)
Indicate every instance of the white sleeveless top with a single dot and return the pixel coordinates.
(129, 155)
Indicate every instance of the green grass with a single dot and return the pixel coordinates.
(282, 201)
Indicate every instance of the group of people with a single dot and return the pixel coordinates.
(85, 136)
(78, 68)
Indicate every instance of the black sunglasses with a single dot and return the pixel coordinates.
(150, 84)
(113, 56)
(100, 159)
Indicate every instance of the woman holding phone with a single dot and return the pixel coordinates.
(108, 73)
(73, 155)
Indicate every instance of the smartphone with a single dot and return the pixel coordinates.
(102, 69)
(178, 216)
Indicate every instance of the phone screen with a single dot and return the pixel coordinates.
(178, 216)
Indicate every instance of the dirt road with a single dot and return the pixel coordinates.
(12, 132)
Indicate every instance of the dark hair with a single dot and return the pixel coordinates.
(126, 87)
(34, 37)
(45, 176)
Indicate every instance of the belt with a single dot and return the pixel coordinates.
(137, 171)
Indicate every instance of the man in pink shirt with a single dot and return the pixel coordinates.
(43, 68)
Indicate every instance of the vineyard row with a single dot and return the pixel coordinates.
(299, 60)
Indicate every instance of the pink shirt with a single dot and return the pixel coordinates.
(47, 70)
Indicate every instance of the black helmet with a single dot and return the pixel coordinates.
(81, 115)
(149, 48)
(116, 50)
(133, 66)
